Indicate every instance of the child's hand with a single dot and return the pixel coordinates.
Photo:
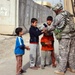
(44, 29)
(48, 43)
(27, 47)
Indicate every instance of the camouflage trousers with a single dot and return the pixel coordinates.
(66, 54)
(73, 48)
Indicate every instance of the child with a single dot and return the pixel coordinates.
(34, 44)
(47, 42)
(19, 50)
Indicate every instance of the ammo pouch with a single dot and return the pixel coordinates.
(58, 34)
(68, 27)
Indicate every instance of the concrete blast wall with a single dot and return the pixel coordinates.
(15, 13)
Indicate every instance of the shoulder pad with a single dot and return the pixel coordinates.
(66, 13)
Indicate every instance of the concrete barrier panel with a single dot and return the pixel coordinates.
(7, 16)
(15, 13)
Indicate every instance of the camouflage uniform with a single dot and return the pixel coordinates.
(72, 50)
(66, 43)
(72, 47)
(66, 54)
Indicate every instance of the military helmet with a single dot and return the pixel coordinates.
(58, 6)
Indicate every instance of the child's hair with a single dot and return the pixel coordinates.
(50, 18)
(18, 30)
(33, 20)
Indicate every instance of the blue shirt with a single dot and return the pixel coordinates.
(19, 47)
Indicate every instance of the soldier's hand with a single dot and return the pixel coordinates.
(44, 29)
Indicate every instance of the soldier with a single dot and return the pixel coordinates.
(63, 27)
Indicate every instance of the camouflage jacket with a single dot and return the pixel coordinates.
(63, 25)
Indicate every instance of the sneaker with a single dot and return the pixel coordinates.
(42, 67)
(22, 71)
(38, 66)
(58, 72)
(54, 65)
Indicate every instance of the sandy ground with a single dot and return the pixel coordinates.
(8, 62)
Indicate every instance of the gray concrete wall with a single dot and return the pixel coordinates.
(29, 9)
(7, 16)
(14, 13)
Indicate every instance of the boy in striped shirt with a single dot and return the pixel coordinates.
(19, 50)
